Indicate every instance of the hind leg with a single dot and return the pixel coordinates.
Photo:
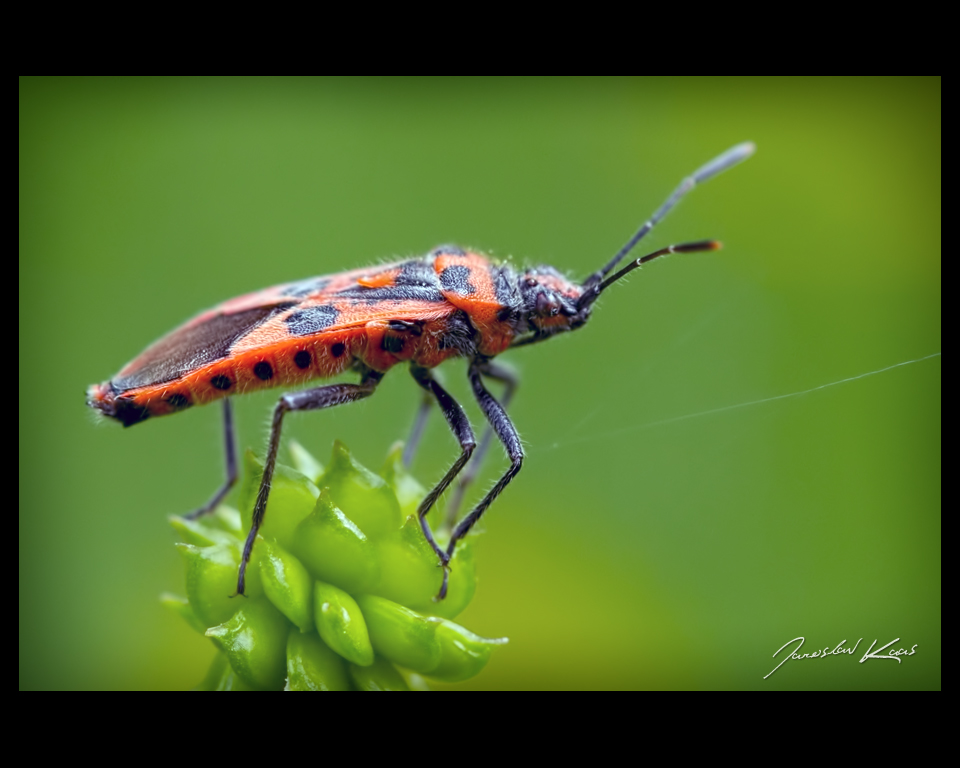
(230, 443)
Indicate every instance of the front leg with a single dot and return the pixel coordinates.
(509, 377)
(460, 426)
(507, 433)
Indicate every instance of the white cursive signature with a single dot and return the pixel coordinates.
(839, 650)
(892, 655)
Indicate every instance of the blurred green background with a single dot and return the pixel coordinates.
(643, 545)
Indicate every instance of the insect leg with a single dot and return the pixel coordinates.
(230, 445)
(410, 449)
(461, 429)
(309, 400)
(511, 442)
(509, 377)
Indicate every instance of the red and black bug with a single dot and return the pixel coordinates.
(449, 303)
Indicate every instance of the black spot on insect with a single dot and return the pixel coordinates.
(305, 322)
(457, 279)
(263, 371)
(128, 412)
(416, 328)
(221, 382)
(338, 349)
(177, 400)
(302, 359)
(393, 344)
(306, 287)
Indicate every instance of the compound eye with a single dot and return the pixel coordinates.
(546, 306)
(530, 282)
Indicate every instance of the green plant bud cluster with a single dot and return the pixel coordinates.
(340, 588)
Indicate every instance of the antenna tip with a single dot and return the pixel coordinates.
(700, 245)
(745, 149)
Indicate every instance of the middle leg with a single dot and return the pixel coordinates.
(413, 442)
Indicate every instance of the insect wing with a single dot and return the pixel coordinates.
(199, 342)
(284, 313)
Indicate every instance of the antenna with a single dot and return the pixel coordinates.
(700, 245)
(728, 159)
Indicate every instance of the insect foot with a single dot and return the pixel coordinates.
(341, 584)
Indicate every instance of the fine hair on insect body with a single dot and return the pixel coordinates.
(421, 311)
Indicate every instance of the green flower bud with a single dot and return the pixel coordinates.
(254, 640)
(341, 624)
(212, 580)
(409, 492)
(340, 585)
(462, 582)
(405, 637)
(410, 571)
(292, 497)
(462, 653)
(221, 677)
(304, 462)
(362, 495)
(380, 676)
(200, 533)
(226, 519)
(334, 549)
(181, 606)
(411, 556)
(287, 584)
(312, 666)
